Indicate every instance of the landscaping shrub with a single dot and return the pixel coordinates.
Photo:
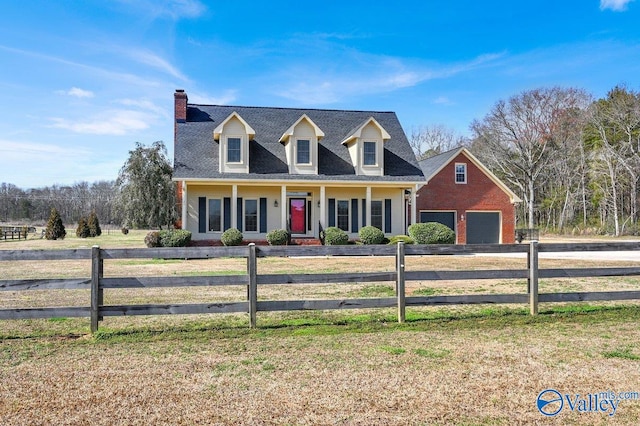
(334, 236)
(371, 235)
(278, 237)
(404, 238)
(82, 231)
(431, 233)
(152, 239)
(125, 230)
(94, 225)
(175, 238)
(55, 228)
(231, 237)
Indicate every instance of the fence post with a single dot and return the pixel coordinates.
(400, 281)
(252, 271)
(96, 291)
(533, 277)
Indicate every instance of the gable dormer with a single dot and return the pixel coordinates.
(301, 146)
(233, 136)
(366, 148)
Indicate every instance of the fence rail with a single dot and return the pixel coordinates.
(252, 279)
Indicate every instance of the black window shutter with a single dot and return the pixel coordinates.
(332, 212)
(354, 215)
(263, 215)
(227, 213)
(239, 213)
(202, 215)
(387, 215)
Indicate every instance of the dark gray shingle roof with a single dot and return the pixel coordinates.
(430, 166)
(196, 153)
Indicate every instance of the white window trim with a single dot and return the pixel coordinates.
(377, 143)
(226, 150)
(310, 162)
(244, 215)
(455, 173)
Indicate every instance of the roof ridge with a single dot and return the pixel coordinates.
(290, 108)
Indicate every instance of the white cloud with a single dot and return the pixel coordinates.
(443, 100)
(76, 92)
(155, 61)
(111, 122)
(330, 86)
(29, 151)
(615, 5)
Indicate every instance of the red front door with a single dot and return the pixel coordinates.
(298, 215)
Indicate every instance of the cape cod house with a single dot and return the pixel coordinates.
(463, 194)
(259, 169)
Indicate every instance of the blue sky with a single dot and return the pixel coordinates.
(82, 81)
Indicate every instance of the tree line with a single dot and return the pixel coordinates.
(143, 196)
(573, 160)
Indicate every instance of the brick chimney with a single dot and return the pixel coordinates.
(180, 102)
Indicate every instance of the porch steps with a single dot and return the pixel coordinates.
(305, 242)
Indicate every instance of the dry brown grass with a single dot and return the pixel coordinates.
(462, 366)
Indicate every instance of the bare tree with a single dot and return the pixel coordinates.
(520, 136)
(431, 140)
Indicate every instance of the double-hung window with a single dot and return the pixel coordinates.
(251, 215)
(343, 215)
(369, 153)
(461, 173)
(234, 150)
(303, 151)
(376, 214)
(215, 215)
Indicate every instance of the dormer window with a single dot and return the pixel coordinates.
(369, 151)
(233, 136)
(366, 148)
(234, 150)
(303, 151)
(301, 146)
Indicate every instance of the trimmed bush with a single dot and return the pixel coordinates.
(125, 230)
(371, 235)
(404, 238)
(278, 237)
(55, 228)
(82, 231)
(175, 238)
(94, 225)
(231, 237)
(334, 236)
(152, 239)
(432, 233)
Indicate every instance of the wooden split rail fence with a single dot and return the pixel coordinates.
(253, 279)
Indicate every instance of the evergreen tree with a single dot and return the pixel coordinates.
(94, 225)
(55, 227)
(83, 231)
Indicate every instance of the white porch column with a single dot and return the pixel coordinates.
(184, 205)
(234, 206)
(414, 197)
(323, 208)
(283, 206)
(368, 207)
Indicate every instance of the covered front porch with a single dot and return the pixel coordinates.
(303, 208)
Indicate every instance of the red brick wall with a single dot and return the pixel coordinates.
(478, 194)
